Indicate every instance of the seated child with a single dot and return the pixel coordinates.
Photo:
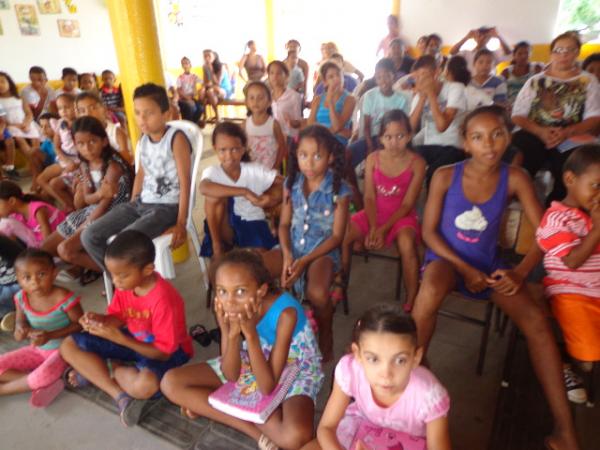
(47, 144)
(24, 217)
(45, 314)
(275, 332)
(492, 87)
(382, 385)
(569, 235)
(9, 250)
(161, 189)
(236, 194)
(70, 81)
(112, 96)
(87, 82)
(144, 325)
(187, 88)
(39, 96)
(8, 145)
(461, 227)
(393, 180)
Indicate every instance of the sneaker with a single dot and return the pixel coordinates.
(574, 385)
(8, 322)
(11, 174)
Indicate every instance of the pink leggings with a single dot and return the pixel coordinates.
(44, 366)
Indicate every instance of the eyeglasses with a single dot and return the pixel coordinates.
(561, 50)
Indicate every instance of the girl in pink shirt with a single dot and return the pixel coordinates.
(395, 400)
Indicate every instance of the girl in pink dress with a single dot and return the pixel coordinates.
(393, 181)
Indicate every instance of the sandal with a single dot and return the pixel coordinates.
(80, 380)
(130, 409)
(337, 294)
(215, 335)
(407, 308)
(200, 335)
(264, 443)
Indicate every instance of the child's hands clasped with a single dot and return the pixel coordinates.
(38, 337)
(505, 282)
(91, 319)
(475, 280)
(375, 239)
(292, 270)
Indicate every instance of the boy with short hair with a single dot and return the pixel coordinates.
(161, 190)
(47, 142)
(144, 324)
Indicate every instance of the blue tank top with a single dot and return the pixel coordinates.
(472, 229)
(267, 327)
(323, 114)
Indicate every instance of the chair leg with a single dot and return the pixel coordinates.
(590, 378)
(510, 355)
(209, 296)
(484, 337)
(399, 280)
(108, 287)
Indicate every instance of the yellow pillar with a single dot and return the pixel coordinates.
(270, 30)
(395, 8)
(136, 42)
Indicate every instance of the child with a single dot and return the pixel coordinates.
(216, 84)
(40, 97)
(161, 190)
(8, 144)
(20, 125)
(87, 82)
(287, 103)
(492, 86)
(461, 227)
(393, 180)
(105, 181)
(24, 217)
(389, 387)
(569, 235)
(144, 325)
(276, 331)
(111, 95)
(187, 89)
(9, 250)
(236, 193)
(376, 103)
(45, 314)
(296, 80)
(89, 104)
(519, 71)
(266, 141)
(591, 64)
(47, 144)
(313, 221)
(69, 79)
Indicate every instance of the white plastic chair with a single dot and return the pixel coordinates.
(163, 261)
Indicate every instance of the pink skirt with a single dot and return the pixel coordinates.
(362, 222)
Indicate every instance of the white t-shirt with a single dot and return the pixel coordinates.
(452, 95)
(375, 105)
(469, 56)
(253, 176)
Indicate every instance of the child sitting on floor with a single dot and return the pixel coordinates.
(492, 89)
(45, 314)
(9, 250)
(47, 144)
(144, 324)
(69, 79)
(569, 235)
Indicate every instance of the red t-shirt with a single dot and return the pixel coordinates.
(157, 318)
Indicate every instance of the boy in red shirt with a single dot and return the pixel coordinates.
(144, 325)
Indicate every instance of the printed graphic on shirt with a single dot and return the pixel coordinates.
(558, 103)
(470, 225)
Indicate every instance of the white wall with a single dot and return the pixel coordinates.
(93, 51)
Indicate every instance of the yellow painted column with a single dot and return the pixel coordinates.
(395, 8)
(270, 30)
(136, 42)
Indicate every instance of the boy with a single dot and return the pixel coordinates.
(111, 95)
(40, 97)
(160, 195)
(47, 145)
(70, 80)
(569, 235)
(376, 102)
(187, 89)
(144, 325)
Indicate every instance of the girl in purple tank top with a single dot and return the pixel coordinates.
(393, 181)
(461, 227)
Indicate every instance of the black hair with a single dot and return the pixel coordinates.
(519, 45)
(263, 86)
(69, 97)
(385, 64)
(217, 65)
(431, 37)
(494, 110)
(594, 57)
(293, 41)
(68, 71)
(582, 158)
(31, 253)
(394, 115)
(457, 67)
(12, 87)
(385, 318)
(325, 140)
(425, 61)
(185, 57)
(281, 65)
(83, 74)
(325, 68)
(249, 259)
(131, 246)
(233, 130)
(337, 56)
(10, 189)
(573, 35)
(106, 72)
(154, 92)
(89, 96)
(47, 116)
(37, 69)
(482, 52)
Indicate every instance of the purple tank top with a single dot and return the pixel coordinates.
(472, 229)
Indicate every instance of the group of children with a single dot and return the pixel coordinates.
(138, 348)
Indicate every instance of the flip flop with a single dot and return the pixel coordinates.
(215, 335)
(200, 335)
(79, 379)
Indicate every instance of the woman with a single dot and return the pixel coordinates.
(252, 63)
(557, 110)
(217, 85)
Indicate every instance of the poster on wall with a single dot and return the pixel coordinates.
(27, 19)
(4, 4)
(49, 6)
(68, 28)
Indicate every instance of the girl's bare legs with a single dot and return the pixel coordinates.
(406, 242)
(44, 179)
(291, 426)
(273, 260)
(218, 226)
(13, 382)
(352, 235)
(34, 158)
(319, 277)
(51, 243)
(212, 98)
(545, 358)
(71, 251)
(64, 193)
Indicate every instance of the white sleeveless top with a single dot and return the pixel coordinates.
(111, 132)
(262, 142)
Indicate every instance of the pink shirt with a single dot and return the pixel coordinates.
(55, 217)
(423, 400)
(289, 106)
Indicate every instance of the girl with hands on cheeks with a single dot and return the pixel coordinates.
(276, 332)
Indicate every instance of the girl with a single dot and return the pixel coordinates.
(236, 193)
(21, 126)
(389, 388)
(276, 332)
(24, 217)
(252, 63)
(45, 314)
(105, 180)
(313, 221)
(58, 179)
(217, 85)
(519, 71)
(87, 82)
(393, 180)
(461, 227)
(287, 103)
(493, 87)
(265, 139)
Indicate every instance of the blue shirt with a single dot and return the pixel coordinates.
(267, 327)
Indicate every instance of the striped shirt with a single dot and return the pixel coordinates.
(561, 230)
(53, 319)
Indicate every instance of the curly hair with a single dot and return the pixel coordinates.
(251, 260)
